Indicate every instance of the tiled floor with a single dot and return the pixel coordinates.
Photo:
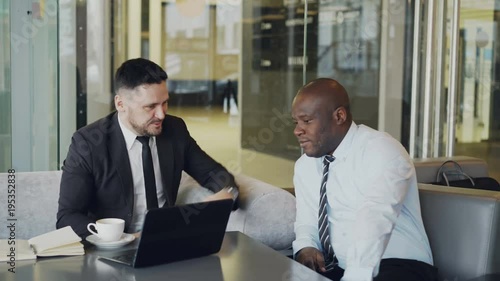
(218, 134)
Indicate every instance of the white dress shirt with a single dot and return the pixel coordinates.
(134, 149)
(373, 204)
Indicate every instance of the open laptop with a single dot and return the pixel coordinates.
(178, 233)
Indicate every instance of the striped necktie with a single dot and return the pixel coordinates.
(323, 226)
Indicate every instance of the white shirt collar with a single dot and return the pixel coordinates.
(130, 137)
(345, 145)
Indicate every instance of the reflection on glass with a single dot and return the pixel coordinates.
(200, 51)
(119, 37)
(477, 37)
(349, 51)
(96, 72)
(272, 72)
(478, 112)
(342, 42)
(187, 51)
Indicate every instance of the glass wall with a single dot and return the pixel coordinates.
(272, 67)
(69, 75)
(119, 37)
(288, 43)
(99, 76)
(187, 52)
(478, 37)
(478, 111)
(34, 84)
(348, 49)
(5, 92)
(234, 67)
(453, 99)
(200, 51)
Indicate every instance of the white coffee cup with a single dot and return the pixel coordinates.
(108, 229)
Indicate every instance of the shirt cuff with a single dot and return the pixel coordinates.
(358, 274)
(301, 244)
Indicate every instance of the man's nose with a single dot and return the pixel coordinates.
(160, 113)
(298, 131)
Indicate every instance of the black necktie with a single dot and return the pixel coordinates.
(323, 225)
(149, 173)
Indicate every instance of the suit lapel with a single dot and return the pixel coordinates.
(166, 159)
(119, 156)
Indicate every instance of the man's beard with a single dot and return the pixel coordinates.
(144, 130)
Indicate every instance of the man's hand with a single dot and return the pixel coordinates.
(221, 195)
(312, 258)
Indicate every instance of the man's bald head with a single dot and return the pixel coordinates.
(329, 91)
(322, 114)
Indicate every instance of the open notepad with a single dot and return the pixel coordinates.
(61, 242)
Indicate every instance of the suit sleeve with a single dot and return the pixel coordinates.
(76, 187)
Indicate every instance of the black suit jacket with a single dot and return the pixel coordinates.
(97, 180)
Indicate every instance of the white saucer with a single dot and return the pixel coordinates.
(124, 240)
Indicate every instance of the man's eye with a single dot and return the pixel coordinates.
(307, 121)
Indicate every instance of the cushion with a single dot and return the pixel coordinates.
(37, 194)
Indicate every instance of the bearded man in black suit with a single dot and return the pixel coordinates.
(106, 173)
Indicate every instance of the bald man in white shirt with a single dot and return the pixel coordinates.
(373, 228)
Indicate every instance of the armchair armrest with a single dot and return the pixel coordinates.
(266, 212)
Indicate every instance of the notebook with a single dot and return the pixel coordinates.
(61, 242)
(177, 233)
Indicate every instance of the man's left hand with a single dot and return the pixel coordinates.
(221, 195)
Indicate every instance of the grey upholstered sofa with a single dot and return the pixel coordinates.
(266, 213)
(463, 224)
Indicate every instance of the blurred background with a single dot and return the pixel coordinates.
(234, 67)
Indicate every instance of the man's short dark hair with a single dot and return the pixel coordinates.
(136, 72)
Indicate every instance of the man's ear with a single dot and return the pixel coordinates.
(119, 103)
(340, 115)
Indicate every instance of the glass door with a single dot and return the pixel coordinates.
(433, 79)
(455, 99)
(478, 111)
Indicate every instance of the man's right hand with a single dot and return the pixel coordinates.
(312, 258)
